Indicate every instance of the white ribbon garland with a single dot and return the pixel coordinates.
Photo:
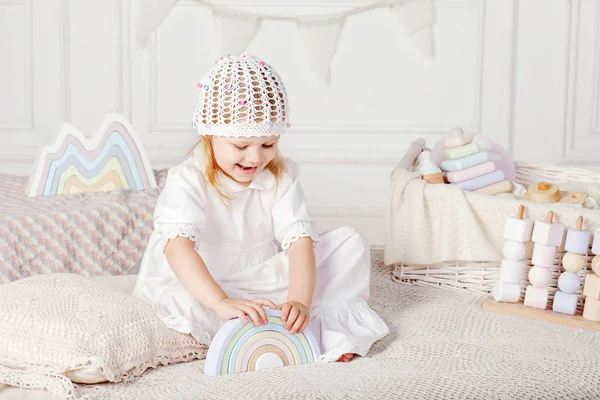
(320, 33)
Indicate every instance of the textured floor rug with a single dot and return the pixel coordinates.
(442, 346)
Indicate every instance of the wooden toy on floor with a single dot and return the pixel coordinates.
(542, 192)
(576, 245)
(591, 286)
(517, 231)
(239, 347)
(546, 236)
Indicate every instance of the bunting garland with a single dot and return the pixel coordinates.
(320, 34)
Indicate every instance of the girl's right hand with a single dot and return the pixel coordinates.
(230, 308)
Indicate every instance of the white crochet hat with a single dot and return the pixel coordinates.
(241, 97)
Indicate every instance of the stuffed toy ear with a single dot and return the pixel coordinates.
(412, 154)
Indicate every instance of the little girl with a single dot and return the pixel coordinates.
(233, 234)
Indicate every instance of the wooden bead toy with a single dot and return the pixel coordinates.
(564, 303)
(481, 181)
(240, 347)
(496, 188)
(574, 198)
(569, 282)
(573, 262)
(542, 192)
(518, 229)
(465, 162)
(513, 251)
(470, 173)
(462, 151)
(591, 309)
(511, 271)
(596, 250)
(458, 138)
(591, 287)
(539, 276)
(536, 297)
(506, 292)
(543, 256)
(577, 240)
(548, 233)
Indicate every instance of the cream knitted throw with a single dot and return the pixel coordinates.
(429, 224)
(441, 346)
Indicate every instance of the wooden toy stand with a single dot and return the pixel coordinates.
(545, 315)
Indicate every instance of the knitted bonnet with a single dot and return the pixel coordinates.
(241, 96)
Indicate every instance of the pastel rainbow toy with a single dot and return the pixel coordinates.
(113, 159)
(239, 347)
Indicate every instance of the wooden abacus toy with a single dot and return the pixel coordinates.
(241, 347)
(546, 237)
(576, 245)
(591, 287)
(517, 231)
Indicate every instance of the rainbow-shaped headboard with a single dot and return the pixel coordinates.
(113, 159)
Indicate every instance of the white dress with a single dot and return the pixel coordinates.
(243, 247)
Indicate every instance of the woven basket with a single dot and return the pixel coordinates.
(479, 277)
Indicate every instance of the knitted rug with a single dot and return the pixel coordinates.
(441, 346)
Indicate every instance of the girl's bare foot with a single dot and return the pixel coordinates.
(346, 357)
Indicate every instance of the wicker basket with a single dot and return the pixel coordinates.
(479, 277)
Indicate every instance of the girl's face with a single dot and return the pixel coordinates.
(243, 158)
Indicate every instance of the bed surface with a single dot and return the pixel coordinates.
(441, 346)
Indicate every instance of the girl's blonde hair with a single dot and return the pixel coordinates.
(212, 170)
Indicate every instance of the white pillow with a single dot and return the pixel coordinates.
(89, 329)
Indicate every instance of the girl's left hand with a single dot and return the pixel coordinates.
(296, 316)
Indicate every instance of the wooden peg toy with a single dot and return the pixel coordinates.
(573, 198)
(458, 138)
(543, 192)
(577, 240)
(429, 172)
(518, 229)
(591, 286)
(547, 233)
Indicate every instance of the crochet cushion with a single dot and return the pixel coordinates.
(88, 329)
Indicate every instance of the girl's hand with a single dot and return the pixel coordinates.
(296, 316)
(230, 308)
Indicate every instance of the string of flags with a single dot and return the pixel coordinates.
(320, 34)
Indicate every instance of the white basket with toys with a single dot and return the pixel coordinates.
(464, 216)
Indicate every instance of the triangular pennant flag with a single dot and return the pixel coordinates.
(416, 18)
(233, 31)
(148, 15)
(320, 37)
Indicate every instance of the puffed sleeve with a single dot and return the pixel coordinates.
(291, 219)
(180, 210)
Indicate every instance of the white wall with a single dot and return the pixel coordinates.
(524, 73)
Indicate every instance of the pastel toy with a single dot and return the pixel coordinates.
(506, 292)
(239, 347)
(481, 181)
(574, 198)
(543, 256)
(591, 310)
(496, 188)
(542, 192)
(564, 303)
(577, 240)
(511, 271)
(547, 233)
(591, 287)
(539, 276)
(465, 162)
(518, 229)
(536, 297)
(458, 138)
(573, 262)
(569, 282)
(596, 265)
(470, 173)
(429, 172)
(513, 251)
(462, 151)
(111, 160)
(596, 247)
